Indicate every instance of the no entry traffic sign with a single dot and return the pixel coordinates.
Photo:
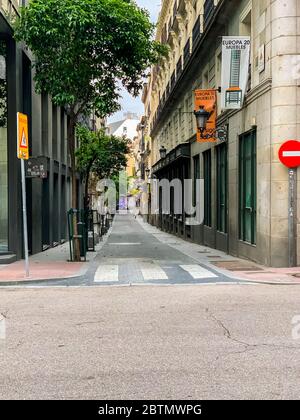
(289, 154)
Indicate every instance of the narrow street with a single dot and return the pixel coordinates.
(137, 253)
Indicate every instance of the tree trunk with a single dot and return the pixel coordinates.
(71, 142)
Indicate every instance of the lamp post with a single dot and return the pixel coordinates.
(163, 152)
(202, 117)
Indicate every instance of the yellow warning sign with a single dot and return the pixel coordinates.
(23, 141)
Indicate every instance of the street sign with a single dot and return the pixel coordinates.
(23, 141)
(289, 154)
(36, 168)
(23, 154)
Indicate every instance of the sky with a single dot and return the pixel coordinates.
(128, 103)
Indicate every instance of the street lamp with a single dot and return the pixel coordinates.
(147, 171)
(163, 152)
(202, 117)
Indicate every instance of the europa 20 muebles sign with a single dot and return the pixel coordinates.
(235, 71)
(207, 99)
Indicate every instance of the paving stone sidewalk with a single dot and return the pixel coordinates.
(235, 268)
(52, 264)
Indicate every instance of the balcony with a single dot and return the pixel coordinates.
(173, 80)
(209, 7)
(179, 67)
(181, 152)
(164, 35)
(187, 52)
(196, 35)
(167, 90)
(9, 8)
(181, 8)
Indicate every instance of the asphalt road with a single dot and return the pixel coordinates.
(173, 342)
(133, 255)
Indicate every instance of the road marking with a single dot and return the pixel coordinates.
(291, 154)
(198, 272)
(125, 243)
(107, 273)
(153, 272)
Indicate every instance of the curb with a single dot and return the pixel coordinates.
(36, 281)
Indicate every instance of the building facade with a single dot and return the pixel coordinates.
(245, 185)
(127, 128)
(48, 198)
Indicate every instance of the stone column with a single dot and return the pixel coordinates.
(285, 120)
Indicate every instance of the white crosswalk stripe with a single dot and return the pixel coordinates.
(153, 272)
(198, 272)
(107, 273)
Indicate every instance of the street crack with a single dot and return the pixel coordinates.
(248, 346)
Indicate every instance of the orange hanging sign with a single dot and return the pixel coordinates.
(207, 99)
(23, 141)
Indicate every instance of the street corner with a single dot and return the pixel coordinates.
(40, 272)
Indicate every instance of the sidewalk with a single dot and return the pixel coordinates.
(53, 264)
(49, 265)
(236, 268)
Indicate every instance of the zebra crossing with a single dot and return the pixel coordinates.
(151, 271)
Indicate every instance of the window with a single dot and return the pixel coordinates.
(222, 188)
(45, 130)
(207, 187)
(54, 131)
(62, 135)
(196, 177)
(247, 187)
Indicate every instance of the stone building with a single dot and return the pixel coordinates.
(246, 187)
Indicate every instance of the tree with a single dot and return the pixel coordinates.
(99, 153)
(82, 49)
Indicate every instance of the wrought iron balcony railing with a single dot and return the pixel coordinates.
(209, 7)
(179, 67)
(187, 52)
(196, 31)
(9, 8)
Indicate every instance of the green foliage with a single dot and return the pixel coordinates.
(100, 153)
(84, 47)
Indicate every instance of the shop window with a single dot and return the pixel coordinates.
(3, 151)
(207, 188)
(196, 178)
(222, 188)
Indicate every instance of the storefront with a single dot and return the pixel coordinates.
(3, 151)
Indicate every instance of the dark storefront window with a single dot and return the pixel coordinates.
(222, 188)
(196, 177)
(3, 151)
(247, 187)
(207, 188)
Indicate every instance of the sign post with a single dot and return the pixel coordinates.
(23, 154)
(289, 155)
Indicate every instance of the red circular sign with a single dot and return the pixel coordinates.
(289, 154)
